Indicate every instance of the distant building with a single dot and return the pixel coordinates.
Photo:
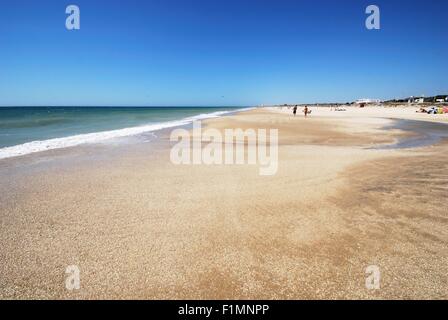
(441, 98)
(367, 101)
(422, 99)
(416, 100)
(419, 100)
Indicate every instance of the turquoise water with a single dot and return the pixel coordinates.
(33, 129)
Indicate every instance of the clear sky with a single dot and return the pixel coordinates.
(226, 52)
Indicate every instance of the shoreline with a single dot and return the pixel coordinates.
(103, 136)
(140, 227)
(100, 137)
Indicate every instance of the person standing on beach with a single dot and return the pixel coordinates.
(294, 110)
(305, 111)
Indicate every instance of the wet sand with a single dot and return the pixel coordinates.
(138, 226)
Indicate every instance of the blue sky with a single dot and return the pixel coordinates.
(227, 52)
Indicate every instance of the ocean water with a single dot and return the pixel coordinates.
(25, 130)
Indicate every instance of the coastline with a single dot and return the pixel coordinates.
(73, 140)
(140, 227)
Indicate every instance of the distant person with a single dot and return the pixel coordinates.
(294, 110)
(306, 111)
(422, 110)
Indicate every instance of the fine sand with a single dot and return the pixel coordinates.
(138, 226)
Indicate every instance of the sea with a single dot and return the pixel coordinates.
(25, 130)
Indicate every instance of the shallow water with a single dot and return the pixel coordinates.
(425, 133)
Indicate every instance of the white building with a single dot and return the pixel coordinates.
(367, 101)
(419, 100)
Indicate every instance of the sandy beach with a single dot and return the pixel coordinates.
(140, 227)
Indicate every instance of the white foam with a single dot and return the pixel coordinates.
(95, 137)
